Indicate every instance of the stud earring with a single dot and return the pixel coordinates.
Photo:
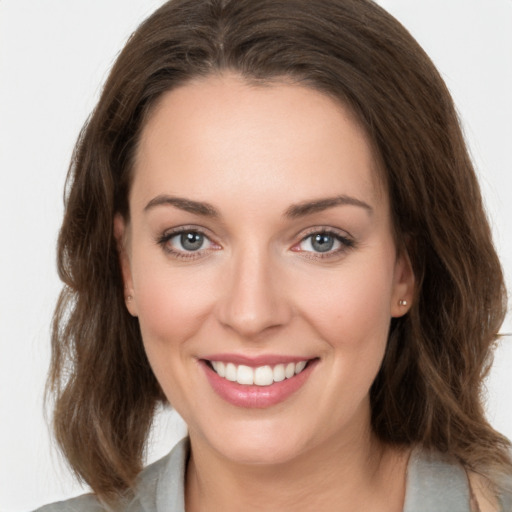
(402, 302)
(129, 298)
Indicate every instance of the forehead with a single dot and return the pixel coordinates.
(225, 136)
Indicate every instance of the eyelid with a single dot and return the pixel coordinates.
(325, 229)
(346, 240)
(343, 237)
(168, 234)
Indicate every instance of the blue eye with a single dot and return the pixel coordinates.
(324, 242)
(189, 241)
(186, 243)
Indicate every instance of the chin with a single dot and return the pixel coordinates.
(262, 453)
(260, 443)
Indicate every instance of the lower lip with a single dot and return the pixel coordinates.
(257, 397)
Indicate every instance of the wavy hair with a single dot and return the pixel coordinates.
(429, 388)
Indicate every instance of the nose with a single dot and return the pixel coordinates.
(254, 297)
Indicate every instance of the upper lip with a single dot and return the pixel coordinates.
(255, 361)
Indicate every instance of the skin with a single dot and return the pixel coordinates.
(258, 286)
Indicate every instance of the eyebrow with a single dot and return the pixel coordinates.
(294, 211)
(318, 205)
(196, 207)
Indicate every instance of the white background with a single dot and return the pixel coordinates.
(54, 56)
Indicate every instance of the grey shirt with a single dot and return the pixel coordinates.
(434, 484)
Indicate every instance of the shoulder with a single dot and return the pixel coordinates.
(484, 497)
(86, 502)
(439, 482)
(159, 485)
(435, 482)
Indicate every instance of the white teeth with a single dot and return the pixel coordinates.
(231, 372)
(263, 376)
(260, 376)
(219, 367)
(222, 369)
(290, 370)
(245, 375)
(300, 366)
(279, 374)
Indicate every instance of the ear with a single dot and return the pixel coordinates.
(121, 234)
(403, 286)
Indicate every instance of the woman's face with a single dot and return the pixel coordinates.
(260, 238)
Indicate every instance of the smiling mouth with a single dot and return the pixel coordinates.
(265, 375)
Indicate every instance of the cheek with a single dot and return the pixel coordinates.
(172, 306)
(350, 311)
(171, 303)
(349, 307)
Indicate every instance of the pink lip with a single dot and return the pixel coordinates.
(270, 359)
(258, 397)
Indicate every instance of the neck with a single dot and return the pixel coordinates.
(355, 473)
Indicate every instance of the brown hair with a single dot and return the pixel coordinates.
(428, 390)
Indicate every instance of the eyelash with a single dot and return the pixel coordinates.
(346, 243)
(163, 241)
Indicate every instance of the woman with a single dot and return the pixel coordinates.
(273, 224)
